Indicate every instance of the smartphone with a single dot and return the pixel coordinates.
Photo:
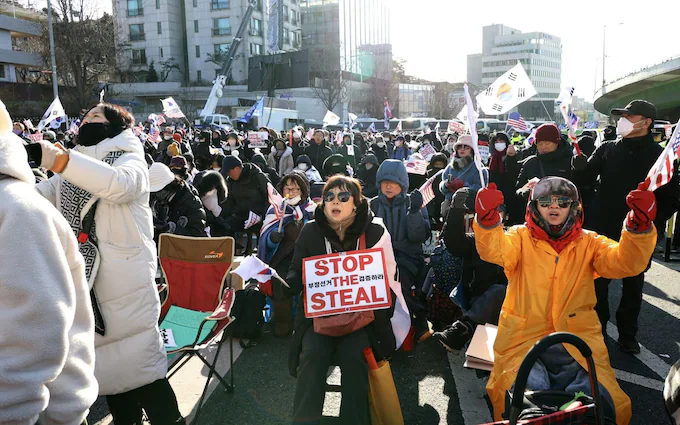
(34, 152)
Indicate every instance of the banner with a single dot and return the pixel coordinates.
(272, 26)
(258, 140)
(427, 152)
(455, 127)
(345, 282)
(508, 91)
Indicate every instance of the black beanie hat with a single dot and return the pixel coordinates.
(230, 162)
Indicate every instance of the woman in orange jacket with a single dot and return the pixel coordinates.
(551, 262)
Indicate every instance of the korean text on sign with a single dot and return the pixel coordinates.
(345, 282)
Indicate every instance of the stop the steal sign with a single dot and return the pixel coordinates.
(345, 282)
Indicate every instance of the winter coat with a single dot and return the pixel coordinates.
(312, 173)
(542, 282)
(353, 160)
(284, 164)
(468, 174)
(185, 210)
(556, 163)
(390, 327)
(434, 207)
(248, 193)
(367, 177)
(259, 160)
(131, 353)
(299, 147)
(400, 153)
(205, 181)
(48, 329)
(621, 165)
(318, 153)
(380, 153)
(407, 222)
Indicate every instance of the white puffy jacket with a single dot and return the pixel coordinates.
(131, 354)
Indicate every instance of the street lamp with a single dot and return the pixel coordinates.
(604, 45)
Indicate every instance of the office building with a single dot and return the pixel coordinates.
(196, 33)
(539, 53)
(13, 32)
(349, 35)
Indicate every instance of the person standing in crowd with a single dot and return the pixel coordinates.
(341, 223)
(202, 151)
(437, 164)
(449, 148)
(461, 172)
(620, 166)
(102, 189)
(259, 160)
(379, 148)
(48, 360)
(401, 152)
(304, 164)
(318, 151)
(298, 144)
(281, 158)
(550, 263)
(247, 196)
(409, 226)
(277, 243)
(368, 169)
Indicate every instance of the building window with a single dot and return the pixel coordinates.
(138, 57)
(158, 4)
(3, 73)
(195, 3)
(198, 51)
(286, 17)
(136, 32)
(134, 8)
(258, 5)
(220, 50)
(199, 77)
(256, 49)
(159, 28)
(219, 4)
(221, 26)
(294, 17)
(256, 27)
(286, 35)
(161, 51)
(195, 26)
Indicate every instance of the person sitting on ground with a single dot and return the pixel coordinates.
(343, 222)
(277, 243)
(350, 151)
(551, 263)
(481, 291)
(247, 195)
(175, 204)
(281, 158)
(409, 226)
(461, 172)
(304, 164)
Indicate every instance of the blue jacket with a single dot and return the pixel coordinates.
(469, 175)
(407, 222)
(401, 153)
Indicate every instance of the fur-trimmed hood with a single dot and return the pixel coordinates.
(208, 181)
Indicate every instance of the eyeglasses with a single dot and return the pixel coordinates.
(292, 189)
(342, 196)
(562, 201)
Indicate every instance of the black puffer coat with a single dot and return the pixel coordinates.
(248, 193)
(181, 215)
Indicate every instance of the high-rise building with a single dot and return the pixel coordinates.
(539, 53)
(195, 33)
(349, 35)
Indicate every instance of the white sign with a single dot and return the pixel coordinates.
(345, 282)
(168, 338)
(258, 140)
(427, 152)
(484, 151)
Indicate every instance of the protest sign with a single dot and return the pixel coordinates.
(484, 151)
(427, 151)
(258, 140)
(345, 282)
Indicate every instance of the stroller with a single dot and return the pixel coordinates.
(554, 407)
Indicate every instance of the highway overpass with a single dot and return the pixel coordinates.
(659, 84)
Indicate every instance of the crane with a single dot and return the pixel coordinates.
(221, 79)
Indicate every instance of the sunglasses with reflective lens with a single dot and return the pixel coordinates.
(342, 196)
(562, 201)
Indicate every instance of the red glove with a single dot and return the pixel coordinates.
(486, 205)
(643, 208)
(266, 288)
(455, 184)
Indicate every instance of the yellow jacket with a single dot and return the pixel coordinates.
(549, 293)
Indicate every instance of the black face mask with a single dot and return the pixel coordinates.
(92, 133)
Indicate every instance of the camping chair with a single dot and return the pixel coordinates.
(195, 271)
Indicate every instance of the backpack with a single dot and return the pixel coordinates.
(248, 307)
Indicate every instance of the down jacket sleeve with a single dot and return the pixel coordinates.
(498, 247)
(121, 183)
(629, 257)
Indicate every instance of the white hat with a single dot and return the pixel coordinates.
(159, 176)
(465, 140)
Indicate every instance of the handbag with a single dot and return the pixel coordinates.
(346, 323)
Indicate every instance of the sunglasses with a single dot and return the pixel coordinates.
(562, 201)
(342, 196)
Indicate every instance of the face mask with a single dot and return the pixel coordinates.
(624, 127)
(500, 146)
(369, 166)
(398, 143)
(232, 142)
(279, 152)
(217, 169)
(294, 201)
(92, 133)
(17, 131)
(348, 142)
(381, 144)
(167, 137)
(303, 166)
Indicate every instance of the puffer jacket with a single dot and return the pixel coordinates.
(556, 163)
(367, 177)
(185, 210)
(248, 193)
(125, 283)
(390, 327)
(549, 292)
(284, 164)
(312, 173)
(318, 153)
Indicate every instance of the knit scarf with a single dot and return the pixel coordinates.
(537, 227)
(496, 163)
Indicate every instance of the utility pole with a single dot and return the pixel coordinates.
(55, 85)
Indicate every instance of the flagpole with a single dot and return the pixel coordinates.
(55, 85)
(550, 118)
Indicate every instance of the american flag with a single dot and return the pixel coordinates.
(662, 171)
(253, 219)
(516, 121)
(427, 190)
(416, 166)
(275, 200)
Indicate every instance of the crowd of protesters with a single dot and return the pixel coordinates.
(518, 236)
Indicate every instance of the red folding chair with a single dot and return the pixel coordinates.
(195, 272)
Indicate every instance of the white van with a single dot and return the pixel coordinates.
(218, 120)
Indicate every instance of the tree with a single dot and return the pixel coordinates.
(152, 75)
(167, 67)
(327, 81)
(385, 85)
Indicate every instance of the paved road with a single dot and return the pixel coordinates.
(434, 388)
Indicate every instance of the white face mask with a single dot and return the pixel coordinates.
(500, 147)
(217, 169)
(303, 166)
(369, 166)
(167, 137)
(624, 127)
(294, 201)
(381, 144)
